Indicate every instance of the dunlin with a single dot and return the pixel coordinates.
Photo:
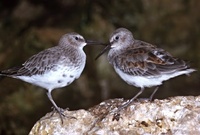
(55, 67)
(141, 64)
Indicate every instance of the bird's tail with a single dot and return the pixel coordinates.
(190, 70)
(1, 76)
(9, 72)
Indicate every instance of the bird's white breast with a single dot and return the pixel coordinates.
(60, 76)
(149, 81)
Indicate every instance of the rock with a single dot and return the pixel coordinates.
(173, 116)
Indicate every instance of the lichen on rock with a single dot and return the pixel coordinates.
(172, 116)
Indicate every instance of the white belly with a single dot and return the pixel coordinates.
(140, 81)
(54, 79)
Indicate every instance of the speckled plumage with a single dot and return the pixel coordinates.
(55, 67)
(142, 64)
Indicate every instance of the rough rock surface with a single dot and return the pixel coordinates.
(173, 116)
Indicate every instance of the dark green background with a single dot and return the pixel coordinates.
(29, 26)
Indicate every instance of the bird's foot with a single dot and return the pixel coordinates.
(116, 116)
(116, 113)
(143, 100)
(61, 113)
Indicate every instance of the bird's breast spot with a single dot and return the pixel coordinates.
(60, 81)
(71, 76)
(64, 81)
(64, 75)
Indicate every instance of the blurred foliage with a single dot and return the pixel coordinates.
(29, 26)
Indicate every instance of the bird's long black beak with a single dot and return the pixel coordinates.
(108, 47)
(92, 42)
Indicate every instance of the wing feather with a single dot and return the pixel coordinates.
(147, 61)
(37, 64)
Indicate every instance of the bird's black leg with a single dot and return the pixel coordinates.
(155, 90)
(116, 114)
(58, 109)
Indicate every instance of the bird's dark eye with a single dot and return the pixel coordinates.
(76, 38)
(117, 37)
